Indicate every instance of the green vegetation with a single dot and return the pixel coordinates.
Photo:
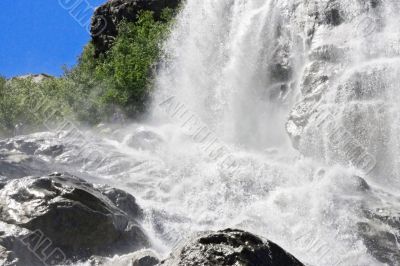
(129, 62)
(95, 88)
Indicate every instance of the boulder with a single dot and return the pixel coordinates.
(230, 247)
(78, 218)
(107, 17)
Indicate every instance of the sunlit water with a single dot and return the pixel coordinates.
(218, 66)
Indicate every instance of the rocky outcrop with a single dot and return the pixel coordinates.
(70, 215)
(230, 247)
(106, 18)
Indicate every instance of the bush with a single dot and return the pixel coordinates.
(128, 65)
(94, 89)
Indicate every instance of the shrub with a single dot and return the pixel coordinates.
(92, 90)
(127, 67)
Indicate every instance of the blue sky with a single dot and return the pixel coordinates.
(39, 36)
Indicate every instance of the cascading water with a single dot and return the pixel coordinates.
(265, 76)
(220, 69)
(240, 66)
(250, 70)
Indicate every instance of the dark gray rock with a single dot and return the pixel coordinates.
(144, 257)
(230, 247)
(14, 164)
(107, 17)
(78, 218)
(380, 233)
(52, 150)
(28, 155)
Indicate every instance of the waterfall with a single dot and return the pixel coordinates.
(303, 95)
(278, 117)
(220, 65)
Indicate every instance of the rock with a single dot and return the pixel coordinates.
(380, 232)
(78, 218)
(144, 139)
(230, 247)
(15, 250)
(36, 78)
(281, 64)
(14, 164)
(140, 258)
(18, 156)
(6, 257)
(106, 18)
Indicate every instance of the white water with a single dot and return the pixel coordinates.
(219, 69)
(217, 65)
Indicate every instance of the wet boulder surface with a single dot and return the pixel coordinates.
(230, 247)
(62, 218)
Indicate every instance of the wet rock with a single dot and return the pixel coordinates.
(107, 17)
(333, 17)
(281, 65)
(140, 258)
(230, 247)
(145, 140)
(124, 201)
(33, 155)
(15, 165)
(51, 150)
(380, 232)
(5, 257)
(78, 218)
(27, 147)
(15, 250)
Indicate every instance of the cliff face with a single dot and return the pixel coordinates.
(106, 18)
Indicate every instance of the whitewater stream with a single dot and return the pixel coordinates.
(235, 137)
